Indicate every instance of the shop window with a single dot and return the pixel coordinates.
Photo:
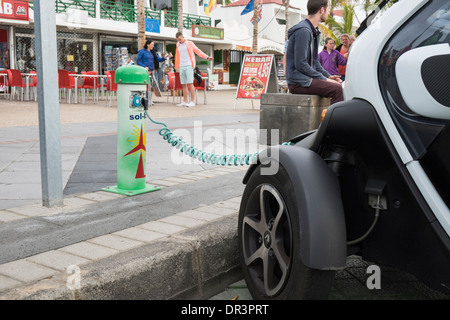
(75, 51)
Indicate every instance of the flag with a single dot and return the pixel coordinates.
(259, 12)
(210, 6)
(248, 8)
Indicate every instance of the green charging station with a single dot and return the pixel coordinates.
(131, 132)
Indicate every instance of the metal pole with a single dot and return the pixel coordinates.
(48, 102)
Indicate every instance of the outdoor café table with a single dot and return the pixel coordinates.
(204, 90)
(27, 77)
(76, 76)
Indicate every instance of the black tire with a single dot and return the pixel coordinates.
(269, 248)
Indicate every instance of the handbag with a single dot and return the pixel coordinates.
(198, 76)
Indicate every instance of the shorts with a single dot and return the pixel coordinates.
(186, 75)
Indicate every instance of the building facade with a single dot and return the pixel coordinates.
(98, 34)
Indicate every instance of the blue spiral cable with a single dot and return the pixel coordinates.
(198, 154)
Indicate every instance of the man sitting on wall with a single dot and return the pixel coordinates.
(304, 73)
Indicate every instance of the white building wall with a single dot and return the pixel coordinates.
(239, 27)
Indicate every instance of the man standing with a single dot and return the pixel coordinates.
(185, 64)
(304, 73)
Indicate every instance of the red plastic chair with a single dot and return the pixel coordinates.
(175, 85)
(111, 85)
(33, 84)
(202, 87)
(171, 86)
(15, 81)
(64, 84)
(90, 83)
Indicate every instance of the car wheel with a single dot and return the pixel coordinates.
(269, 242)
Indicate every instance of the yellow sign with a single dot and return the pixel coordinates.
(70, 58)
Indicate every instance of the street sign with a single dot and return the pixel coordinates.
(14, 10)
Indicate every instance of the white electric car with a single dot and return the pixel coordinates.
(373, 180)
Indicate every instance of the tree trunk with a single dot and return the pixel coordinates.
(286, 12)
(255, 27)
(180, 15)
(141, 23)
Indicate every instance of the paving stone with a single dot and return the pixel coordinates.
(25, 271)
(182, 221)
(139, 234)
(200, 215)
(217, 210)
(161, 227)
(57, 260)
(6, 282)
(33, 210)
(190, 177)
(116, 242)
(89, 250)
(98, 196)
(177, 179)
(6, 216)
(235, 200)
(227, 204)
(205, 174)
(164, 183)
(75, 202)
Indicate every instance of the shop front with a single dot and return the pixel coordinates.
(116, 50)
(76, 51)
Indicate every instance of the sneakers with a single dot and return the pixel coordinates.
(184, 104)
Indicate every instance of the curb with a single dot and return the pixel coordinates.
(192, 264)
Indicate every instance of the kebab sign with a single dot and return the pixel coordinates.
(257, 77)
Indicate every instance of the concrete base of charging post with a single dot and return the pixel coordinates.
(291, 114)
(148, 188)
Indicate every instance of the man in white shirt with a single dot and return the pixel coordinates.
(185, 64)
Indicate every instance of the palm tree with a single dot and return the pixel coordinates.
(334, 29)
(141, 23)
(286, 13)
(369, 5)
(255, 27)
(180, 15)
(335, 4)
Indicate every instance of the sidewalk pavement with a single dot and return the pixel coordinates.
(124, 237)
(179, 242)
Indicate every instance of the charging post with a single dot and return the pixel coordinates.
(131, 132)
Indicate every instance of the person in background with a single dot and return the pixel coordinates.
(185, 64)
(148, 59)
(351, 39)
(330, 58)
(343, 48)
(284, 56)
(130, 62)
(304, 73)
